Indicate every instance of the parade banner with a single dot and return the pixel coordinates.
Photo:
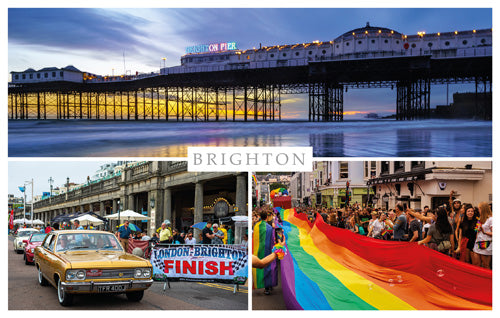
(331, 268)
(224, 263)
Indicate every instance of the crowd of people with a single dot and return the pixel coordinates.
(457, 229)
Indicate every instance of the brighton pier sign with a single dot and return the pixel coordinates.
(212, 48)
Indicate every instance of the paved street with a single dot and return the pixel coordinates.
(274, 301)
(26, 293)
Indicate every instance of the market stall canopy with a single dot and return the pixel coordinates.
(69, 217)
(87, 219)
(22, 221)
(240, 218)
(127, 215)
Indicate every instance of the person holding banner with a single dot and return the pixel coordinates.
(218, 235)
(207, 234)
(165, 234)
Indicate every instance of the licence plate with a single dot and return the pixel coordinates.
(112, 288)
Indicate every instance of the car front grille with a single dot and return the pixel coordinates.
(114, 273)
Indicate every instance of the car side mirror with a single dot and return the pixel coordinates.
(25, 241)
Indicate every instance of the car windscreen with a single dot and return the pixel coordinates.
(37, 237)
(26, 233)
(87, 241)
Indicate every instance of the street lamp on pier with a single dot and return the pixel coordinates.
(164, 59)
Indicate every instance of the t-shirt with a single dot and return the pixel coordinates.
(124, 232)
(165, 234)
(204, 233)
(468, 231)
(399, 227)
(217, 240)
(378, 226)
(436, 236)
(487, 248)
(191, 241)
(415, 225)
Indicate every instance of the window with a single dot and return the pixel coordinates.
(483, 41)
(272, 55)
(337, 46)
(284, 54)
(24, 76)
(296, 53)
(324, 51)
(248, 57)
(386, 41)
(46, 75)
(397, 42)
(429, 44)
(373, 41)
(413, 45)
(370, 169)
(61, 74)
(447, 43)
(360, 42)
(311, 52)
(53, 74)
(16, 76)
(346, 43)
(343, 169)
(399, 166)
(384, 168)
(31, 76)
(464, 42)
(38, 75)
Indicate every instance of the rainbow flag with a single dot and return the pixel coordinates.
(254, 179)
(331, 268)
(263, 243)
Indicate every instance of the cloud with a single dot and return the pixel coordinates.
(90, 30)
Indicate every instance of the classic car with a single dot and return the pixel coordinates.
(21, 235)
(90, 262)
(33, 241)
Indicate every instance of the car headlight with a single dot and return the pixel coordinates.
(75, 274)
(32, 250)
(142, 273)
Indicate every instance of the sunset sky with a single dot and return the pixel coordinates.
(96, 40)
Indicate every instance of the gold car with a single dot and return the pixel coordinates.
(86, 261)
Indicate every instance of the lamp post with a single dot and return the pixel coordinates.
(31, 213)
(164, 59)
(120, 206)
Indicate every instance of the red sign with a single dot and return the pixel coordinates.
(198, 267)
(94, 272)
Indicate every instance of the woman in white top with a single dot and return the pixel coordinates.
(483, 247)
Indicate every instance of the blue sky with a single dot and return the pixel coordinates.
(42, 171)
(95, 40)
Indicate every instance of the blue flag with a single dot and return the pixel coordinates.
(21, 189)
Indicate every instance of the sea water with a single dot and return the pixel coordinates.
(350, 138)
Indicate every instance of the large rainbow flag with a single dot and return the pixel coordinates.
(331, 268)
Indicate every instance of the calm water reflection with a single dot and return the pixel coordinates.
(377, 138)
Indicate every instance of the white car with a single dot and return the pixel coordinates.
(22, 234)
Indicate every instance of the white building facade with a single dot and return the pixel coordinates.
(429, 183)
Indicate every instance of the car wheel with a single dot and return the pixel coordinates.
(18, 251)
(26, 260)
(135, 296)
(41, 280)
(64, 298)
